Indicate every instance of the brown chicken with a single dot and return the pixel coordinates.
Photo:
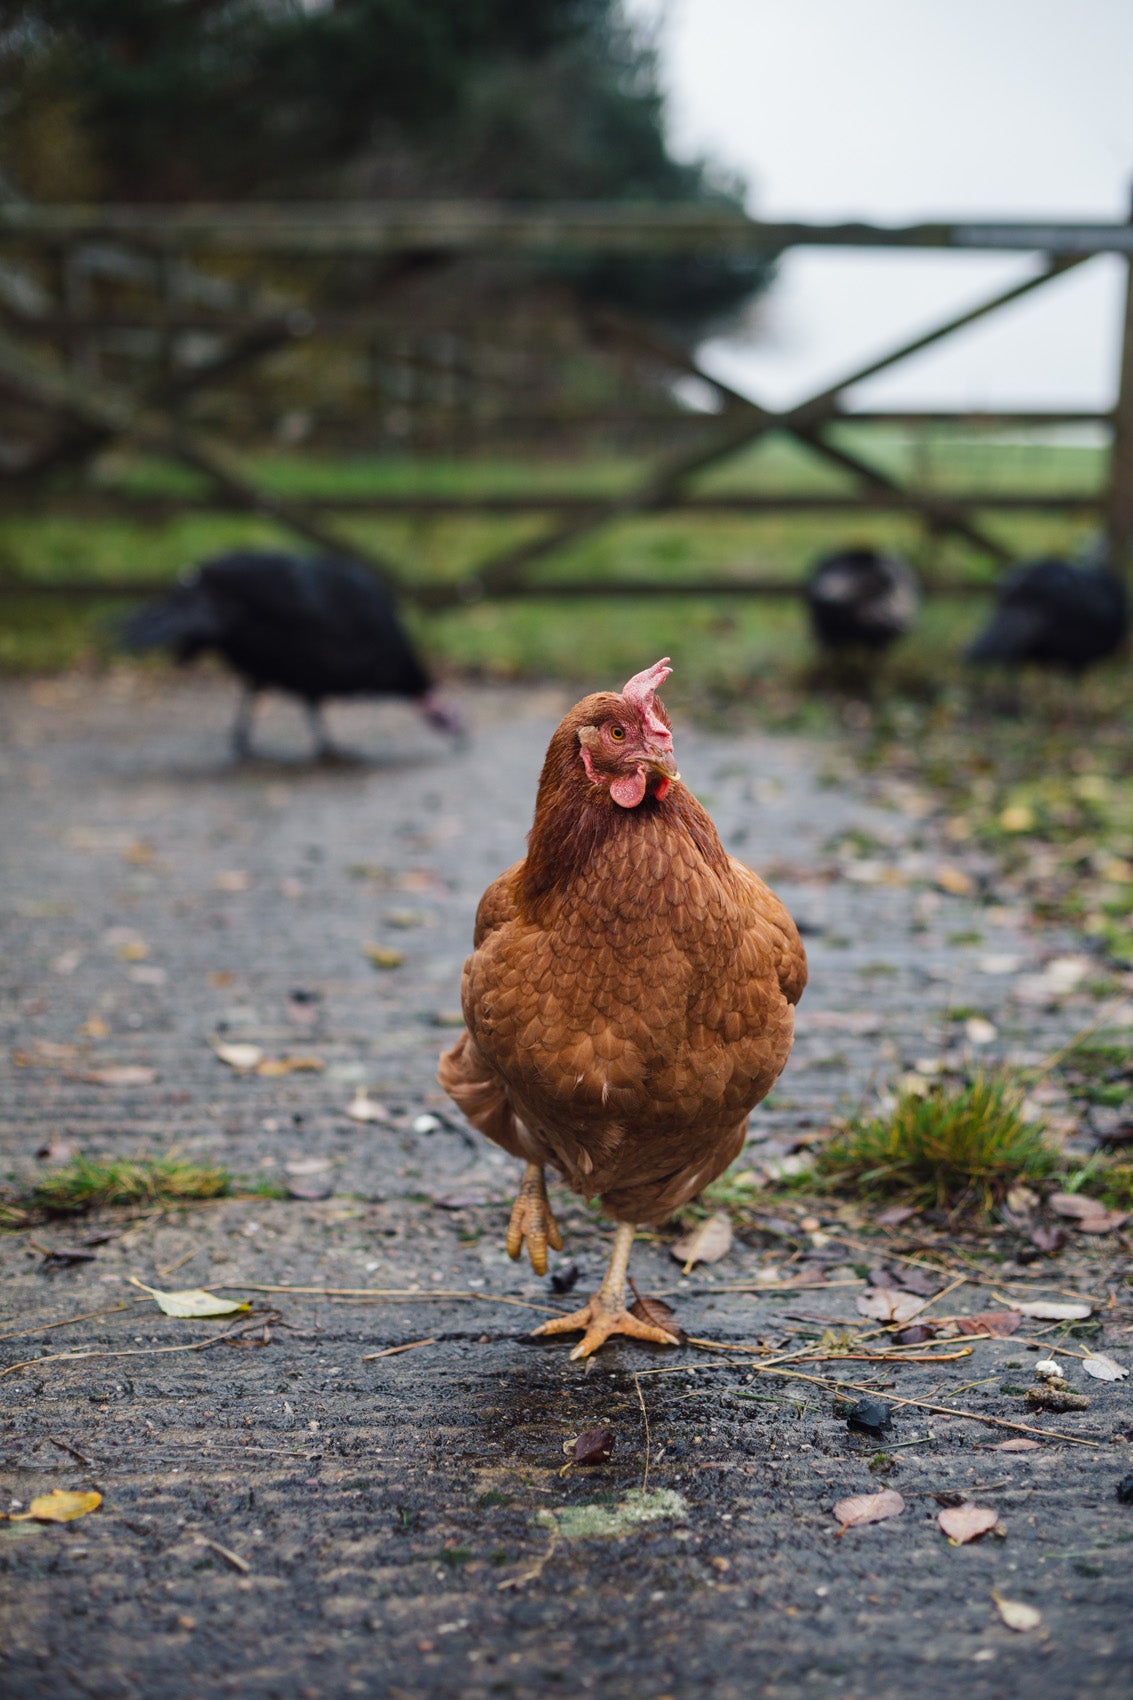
(629, 997)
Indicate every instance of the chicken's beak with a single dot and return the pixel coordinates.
(664, 762)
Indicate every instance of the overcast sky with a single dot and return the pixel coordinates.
(894, 110)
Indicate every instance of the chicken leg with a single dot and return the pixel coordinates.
(606, 1312)
(532, 1220)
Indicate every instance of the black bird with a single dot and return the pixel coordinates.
(862, 599)
(1056, 614)
(315, 627)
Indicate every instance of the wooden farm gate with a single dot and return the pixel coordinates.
(194, 273)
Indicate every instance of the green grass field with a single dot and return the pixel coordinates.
(720, 644)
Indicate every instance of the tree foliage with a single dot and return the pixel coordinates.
(168, 100)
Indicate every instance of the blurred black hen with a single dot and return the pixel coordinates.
(1057, 615)
(862, 599)
(314, 627)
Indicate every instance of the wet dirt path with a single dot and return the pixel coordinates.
(301, 1518)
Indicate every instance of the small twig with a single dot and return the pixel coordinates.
(233, 1558)
(385, 1293)
(85, 1316)
(536, 1570)
(131, 1352)
(73, 1450)
(1099, 1020)
(392, 1351)
(180, 1263)
(921, 1308)
(645, 1420)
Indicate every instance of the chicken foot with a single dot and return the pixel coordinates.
(606, 1312)
(533, 1221)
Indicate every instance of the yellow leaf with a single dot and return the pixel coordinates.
(381, 957)
(193, 1301)
(59, 1506)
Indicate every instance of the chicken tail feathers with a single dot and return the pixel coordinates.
(480, 1094)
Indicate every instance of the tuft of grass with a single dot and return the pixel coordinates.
(88, 1183)
(956, 1145)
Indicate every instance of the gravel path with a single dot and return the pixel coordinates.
(299, 1518)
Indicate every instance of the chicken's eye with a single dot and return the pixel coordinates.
(617, 733)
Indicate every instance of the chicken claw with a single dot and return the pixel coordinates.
(533, 1221)
(606, 1312)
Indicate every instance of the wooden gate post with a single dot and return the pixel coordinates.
(1119, 504)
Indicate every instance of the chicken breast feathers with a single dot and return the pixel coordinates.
(621, 1028)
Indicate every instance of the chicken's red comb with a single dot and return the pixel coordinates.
(640, 691)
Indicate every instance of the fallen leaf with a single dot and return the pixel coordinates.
(593, 1446)
(963, 1523)
(232, 879)
(243, 1058)
(1048, 1240)
(868, 1508)
(1052, 1310)
(915, 1335)
(274, 1066)
(1103, 1368)
(998, 1323)
(309, 1191)
(380, 956)
(954, 880)
(1075, 1205)
(362, 1108)
(58, 1506)
(307, 1165)
(118, 1074)
(1021, 1199)
(1018, 1445)
(1102, 1221)
(648, 1309)
(887, 1304)
(895, 1215)
(1015, 1614)
(707, 1243)
(193, 1301)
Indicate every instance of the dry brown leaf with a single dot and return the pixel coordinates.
(708, 1242)
(118, 1074)
(1018, 1445)
(1075, 1205)
(1016, 1614)
(868, 1508)
(998, 1323)
(887, 1304)
(963, 1523)
(242, 1057)
(593, 1446)
(656, 1311)
(272, 1066)
(1102, 1221)
(58, 1506)
(954, 880)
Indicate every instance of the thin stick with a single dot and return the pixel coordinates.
(384, 1293)
(1071, 1044)
(131, 1352)
(765, 1287)
(180, 1263)
(645, 1420)
(923, 1405)
(73, 1450)
(392, 1351)
(943, 1294)
(233, 1558)
(85, 1316)
(536, 1570)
